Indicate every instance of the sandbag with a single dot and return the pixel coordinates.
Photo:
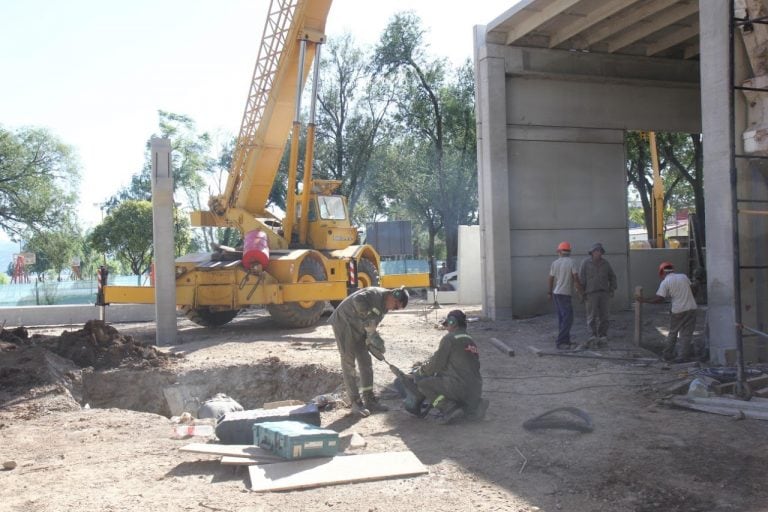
(217, 406)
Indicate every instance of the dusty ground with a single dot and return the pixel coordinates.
(641, 456)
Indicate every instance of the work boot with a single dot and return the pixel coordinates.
(372, 403)
(359, 409)
(479, 413)
(450, 411)
(602, 341)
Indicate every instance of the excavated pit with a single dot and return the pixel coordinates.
(100, 367)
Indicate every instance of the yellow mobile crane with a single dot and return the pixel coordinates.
(310, 256)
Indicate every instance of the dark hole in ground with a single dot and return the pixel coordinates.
(99, 366)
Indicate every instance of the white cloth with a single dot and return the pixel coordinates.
(678, 288)
(563, 269)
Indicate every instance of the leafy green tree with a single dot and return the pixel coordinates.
(55, 249)
(435, 109)
(681, 169)
(193, 168)
(351, 119)
(39, 177)
(126, 232)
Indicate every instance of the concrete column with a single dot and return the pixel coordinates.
(715, 20)
(162, 229)
(493, 182)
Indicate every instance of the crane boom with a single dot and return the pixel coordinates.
(271, 102)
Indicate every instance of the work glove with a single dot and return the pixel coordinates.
(374, 340)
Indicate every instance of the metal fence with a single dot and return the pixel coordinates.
(49, 293)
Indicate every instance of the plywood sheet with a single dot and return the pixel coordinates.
(302, 474)
(227, 460)
(231, 450)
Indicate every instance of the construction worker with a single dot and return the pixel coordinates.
(598, 282)
(682, 318)
(354, 325)
(563, 275)
(450, 380)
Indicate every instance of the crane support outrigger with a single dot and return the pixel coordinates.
(308, 257)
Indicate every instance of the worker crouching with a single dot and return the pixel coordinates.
(450, 380)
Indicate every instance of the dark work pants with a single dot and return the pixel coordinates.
(598, 313)
(681, 327)
(564, 317)
(353, 349)
(451, 391)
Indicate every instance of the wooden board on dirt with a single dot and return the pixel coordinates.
(321, 471)
(725, 407)
(228, 460)
(231, 450)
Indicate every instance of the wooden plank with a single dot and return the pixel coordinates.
(754, 382)
(229, 460)
(758, 404)
(688, 403)
(591, 355)
(306, 473)
(231, 450)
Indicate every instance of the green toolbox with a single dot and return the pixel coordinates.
(295, 440)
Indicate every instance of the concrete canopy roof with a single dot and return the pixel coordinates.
(653, 28)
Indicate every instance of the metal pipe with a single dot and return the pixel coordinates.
(309, 154)
(290, 200)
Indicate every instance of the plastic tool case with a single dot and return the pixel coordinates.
(295, 440)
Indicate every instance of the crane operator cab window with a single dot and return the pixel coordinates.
(331, 207)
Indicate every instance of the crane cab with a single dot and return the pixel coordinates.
(328, 224)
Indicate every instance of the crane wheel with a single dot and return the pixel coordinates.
(207, 317)
(367, 275)
(305, 313)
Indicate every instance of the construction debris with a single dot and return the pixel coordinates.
(503, 347)
(592, 355)
(757, 408)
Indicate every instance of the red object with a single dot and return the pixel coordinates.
(255, 249)
(564, 246)
(664, 265)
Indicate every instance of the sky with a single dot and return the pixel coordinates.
(95, 73)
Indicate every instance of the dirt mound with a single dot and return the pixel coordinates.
(34, 381)
(101, 346)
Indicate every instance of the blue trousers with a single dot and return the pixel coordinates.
(564, 317)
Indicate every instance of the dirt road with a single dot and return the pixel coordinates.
(641, 456)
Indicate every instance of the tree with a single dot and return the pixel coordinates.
(38, 179)
(437, 111)
(350, 122)
(126, 232)
(192, 165)
(684, 154)
(54, 249)
(681, 168)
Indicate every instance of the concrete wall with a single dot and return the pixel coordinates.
(470, 277)
(644, 267)
(37, 316)
(552, 168)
